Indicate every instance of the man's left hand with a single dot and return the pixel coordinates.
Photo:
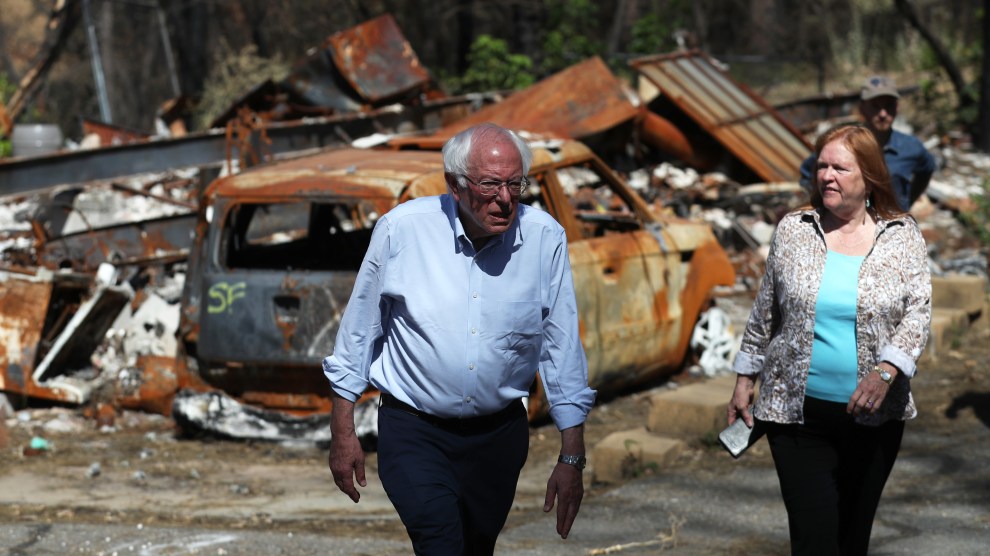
(566, 486)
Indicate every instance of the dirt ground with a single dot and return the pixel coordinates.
(139, 472)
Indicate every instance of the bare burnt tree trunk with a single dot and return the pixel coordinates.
(700, 24)
(256, 14)
(360, 11)
(525, 21)
(465, 33)
(983, 129)
(190, 21)
(60, 25)
(944, 58)
(624, 14)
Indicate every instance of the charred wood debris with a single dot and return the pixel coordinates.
(95, 239)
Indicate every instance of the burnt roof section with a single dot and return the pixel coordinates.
(739, 119)
(363, 173)
(575, 103)
(348, 172)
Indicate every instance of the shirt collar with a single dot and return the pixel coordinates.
(895, 143)
(815, 215)
(449, 206)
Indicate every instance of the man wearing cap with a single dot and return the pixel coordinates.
(910, 165)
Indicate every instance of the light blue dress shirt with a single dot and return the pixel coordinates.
(459, 333)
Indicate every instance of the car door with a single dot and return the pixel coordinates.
(621, 273)
(280, 277)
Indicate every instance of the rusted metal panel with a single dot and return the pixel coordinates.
(24, 298)
(377, 60)
(49, 327)
(110, 134)
(150, 385)
(359, 69)
(84, 331)
(289, 100)
(342, 172)
(749, 128)
(160, 239)
(575, 103)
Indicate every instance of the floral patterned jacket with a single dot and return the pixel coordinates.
(893, 315)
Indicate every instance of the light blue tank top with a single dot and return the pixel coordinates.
(834, 364)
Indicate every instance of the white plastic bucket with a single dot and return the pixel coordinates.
(35, 139)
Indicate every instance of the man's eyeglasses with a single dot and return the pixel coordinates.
(490, 188)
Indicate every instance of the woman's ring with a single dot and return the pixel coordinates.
(869, 403)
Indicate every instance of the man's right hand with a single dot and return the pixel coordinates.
(346, 456)
(347, 464)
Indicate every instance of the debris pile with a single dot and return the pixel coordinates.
(121, 287)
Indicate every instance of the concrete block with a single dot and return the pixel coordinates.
(948, 325)
(691, 411)
(960, 291)
(628, 454)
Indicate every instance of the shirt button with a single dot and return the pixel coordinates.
(468, 399)
(471, 366)
(474, 295)
(474, 330)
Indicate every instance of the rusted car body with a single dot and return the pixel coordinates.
(278, 248)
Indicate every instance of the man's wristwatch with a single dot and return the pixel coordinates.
(576, 461)
(884, 375)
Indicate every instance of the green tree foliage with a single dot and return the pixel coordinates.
(571, 26)
(491, 66)
(7, 89)
(654, 32)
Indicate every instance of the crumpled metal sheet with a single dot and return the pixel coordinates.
(575, 103)
(41, 321)
(740, 120)
(216, 414)
(377, 60)
(24, 298)
(167, 238)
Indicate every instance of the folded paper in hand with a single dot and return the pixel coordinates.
(738, 436)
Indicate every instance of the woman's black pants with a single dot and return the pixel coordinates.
(832, 472)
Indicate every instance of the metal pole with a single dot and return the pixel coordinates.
(169, 57)
(94, 50)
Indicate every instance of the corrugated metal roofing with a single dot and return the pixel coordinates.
(739, 119)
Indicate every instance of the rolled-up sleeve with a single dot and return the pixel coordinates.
(911, 334)
(349, 366)
(763, 319)
(563, 364)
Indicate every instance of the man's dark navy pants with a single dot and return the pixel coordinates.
(451, 481)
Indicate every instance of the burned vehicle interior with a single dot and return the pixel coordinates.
(297, 236)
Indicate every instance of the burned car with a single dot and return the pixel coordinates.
(278, 249)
